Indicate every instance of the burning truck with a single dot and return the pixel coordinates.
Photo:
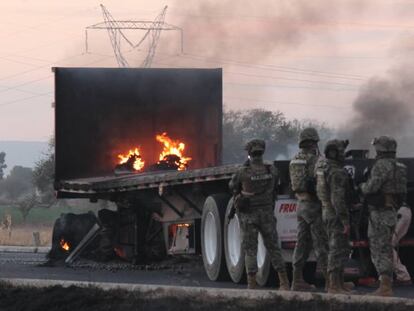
(150, 140)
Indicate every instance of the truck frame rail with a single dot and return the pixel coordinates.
(139, 181)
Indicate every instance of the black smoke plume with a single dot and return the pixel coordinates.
(254, 30)
(384, 106)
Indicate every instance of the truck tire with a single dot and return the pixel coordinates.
(212, 225)
(264, 267)
(232, 247)
(235, 255)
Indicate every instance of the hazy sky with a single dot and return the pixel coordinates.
(306, 60)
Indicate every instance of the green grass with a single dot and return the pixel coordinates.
(40, 215)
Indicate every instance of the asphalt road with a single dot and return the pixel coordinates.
(180, 271)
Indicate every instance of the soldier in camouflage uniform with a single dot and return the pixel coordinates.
(311, 232)
(385, 192)
(332, 188)
(255, 185)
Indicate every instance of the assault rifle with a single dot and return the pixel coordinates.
(232, 210)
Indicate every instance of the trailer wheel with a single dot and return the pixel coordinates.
(232, 247)
(235, 254)
(264, 268)
(212, 248)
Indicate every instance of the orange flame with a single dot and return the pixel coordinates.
(173, 147)
(64, 245)
(138, 163)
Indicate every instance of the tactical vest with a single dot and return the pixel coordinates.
(301, 170)
(258, 184)
(394, 189)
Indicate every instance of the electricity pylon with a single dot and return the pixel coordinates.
(117, 35)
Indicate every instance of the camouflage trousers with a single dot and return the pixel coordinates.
(311, 234)
(260, 220)
(339, 248)
(380, 231)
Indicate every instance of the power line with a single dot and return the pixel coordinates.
(21, 91)
(291, 87)
(230, 83)
(257, 66)
(16, 61)
(31, 28)
(50, 65)
(331, 75)
(289, 79)
(278, 68)
(324, 23)
(264, 76)
(278, 86)
(16, 87)
(285, 103)
(24, 99)
(28, 57)
(49, 76)
(269, 68)
(37, 68)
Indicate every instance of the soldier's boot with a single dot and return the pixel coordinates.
(298, 283)
(346, 286)
(251, 281)
(283, 281)
(335, 283)
(385, 288)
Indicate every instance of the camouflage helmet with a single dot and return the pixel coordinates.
(309, 133)
(255, 145)
(336, 144)
(385, 144)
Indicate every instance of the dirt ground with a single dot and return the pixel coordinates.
(22, 235)
(90, 299)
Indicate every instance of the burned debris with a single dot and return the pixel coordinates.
(171, 158)
(105, 237)
(169, 162)
(130, 162)
(68, 230)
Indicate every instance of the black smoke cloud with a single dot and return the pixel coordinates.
(253, 30)
(384, 106)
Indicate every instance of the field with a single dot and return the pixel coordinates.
(22, 235)
(39, 220)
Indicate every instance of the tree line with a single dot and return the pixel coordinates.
(281, 135)
(24, 187)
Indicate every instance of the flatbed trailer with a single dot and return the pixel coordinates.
(189, 208)
(196, 204)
